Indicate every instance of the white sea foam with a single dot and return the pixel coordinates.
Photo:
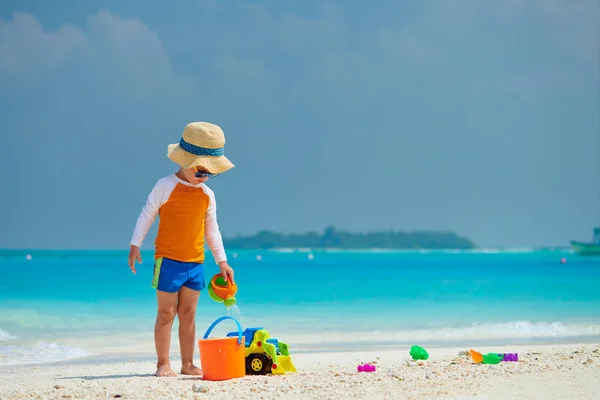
(6, 336)
(299, 337)
(39, 354)
(514, 330)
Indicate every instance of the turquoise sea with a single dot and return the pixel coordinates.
(64, 305)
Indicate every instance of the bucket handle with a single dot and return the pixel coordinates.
(211, 327)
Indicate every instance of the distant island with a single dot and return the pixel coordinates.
(332, 238)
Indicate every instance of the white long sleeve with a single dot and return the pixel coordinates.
(211, 229)
(157, 197)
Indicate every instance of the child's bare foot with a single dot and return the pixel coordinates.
(164, 370)
(190, 369)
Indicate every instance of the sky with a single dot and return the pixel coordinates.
(470, 116)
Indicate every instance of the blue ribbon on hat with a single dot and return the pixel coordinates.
(200, 151)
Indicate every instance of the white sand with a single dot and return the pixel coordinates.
(543, 372)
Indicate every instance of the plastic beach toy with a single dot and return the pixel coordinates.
(222, 291)
(476, 356)
(366, 368)
(507, 356)
(265, 354)
(222, 358)
(492, 358)
(418, 353)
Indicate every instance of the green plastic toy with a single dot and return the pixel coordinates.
(283, 348)
(418, 353)
(491, 358)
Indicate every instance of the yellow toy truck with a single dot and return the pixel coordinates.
(265, 354)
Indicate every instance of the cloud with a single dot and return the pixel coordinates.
(137, 49)
(322, 32)
(531, 48)
(571, 27)
(25, 48)
(123, 51)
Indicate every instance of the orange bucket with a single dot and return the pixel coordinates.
(222, 358)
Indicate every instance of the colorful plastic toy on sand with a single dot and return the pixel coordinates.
(489, 358)
(222, 358)
(507, 357)
(492, 358)
(222, 291)
(511, 357)
(366, 368)
(476, 356)
(418, 353)
(265, 354)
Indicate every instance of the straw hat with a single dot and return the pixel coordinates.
(201, 145)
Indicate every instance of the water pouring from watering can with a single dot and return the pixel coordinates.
(222, 291)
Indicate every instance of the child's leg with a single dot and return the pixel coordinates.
(168, 277)
(186, 312)
(167, 307)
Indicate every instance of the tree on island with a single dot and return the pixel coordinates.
(332, 238)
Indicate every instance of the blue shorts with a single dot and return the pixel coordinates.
(171, 275)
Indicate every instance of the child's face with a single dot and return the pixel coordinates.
(196, 175)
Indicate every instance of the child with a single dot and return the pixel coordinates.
(188, 215)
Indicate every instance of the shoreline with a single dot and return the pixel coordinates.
(549, 371)
(345, 347)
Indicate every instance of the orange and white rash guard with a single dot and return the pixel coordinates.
(188, 214)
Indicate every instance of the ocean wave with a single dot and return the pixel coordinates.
(492, 331)
(6, 336)
(39, 354)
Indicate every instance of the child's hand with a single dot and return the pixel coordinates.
(226, 271)
(134, 254)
